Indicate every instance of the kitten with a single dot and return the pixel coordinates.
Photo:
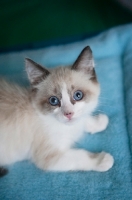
(43, 123)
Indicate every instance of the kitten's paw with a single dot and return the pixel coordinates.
(101, 123)
(105, 162)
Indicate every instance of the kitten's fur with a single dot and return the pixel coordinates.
(32, 128)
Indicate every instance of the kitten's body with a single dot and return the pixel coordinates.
(32, 128)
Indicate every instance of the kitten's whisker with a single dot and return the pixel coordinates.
(100, 111)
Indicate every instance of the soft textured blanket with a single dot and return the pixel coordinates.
(113, 57)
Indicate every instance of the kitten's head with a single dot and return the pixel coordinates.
(65, 93)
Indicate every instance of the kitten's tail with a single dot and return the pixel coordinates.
(3, 171)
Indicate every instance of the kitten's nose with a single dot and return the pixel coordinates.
(68, 114)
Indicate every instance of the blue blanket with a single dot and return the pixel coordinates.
(113, 57)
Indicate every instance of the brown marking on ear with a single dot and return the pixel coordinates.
(36, 73)
(93, 76)
(84, 60)
(38, 80)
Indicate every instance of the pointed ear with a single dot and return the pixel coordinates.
(36, 73)
(85, 62)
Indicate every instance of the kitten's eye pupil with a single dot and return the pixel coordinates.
(78, 95)
(53, 101)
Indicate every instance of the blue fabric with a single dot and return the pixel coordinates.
(113, 57)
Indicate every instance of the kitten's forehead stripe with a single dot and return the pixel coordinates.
(65, 95)
(67, 98)
(69, 93)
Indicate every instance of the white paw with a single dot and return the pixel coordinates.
(105, 162)
(101, 123)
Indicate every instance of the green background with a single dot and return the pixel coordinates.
(25, 21)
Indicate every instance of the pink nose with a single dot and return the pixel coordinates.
(68, 115)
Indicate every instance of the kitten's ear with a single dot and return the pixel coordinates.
(36, 73)
(85, 62)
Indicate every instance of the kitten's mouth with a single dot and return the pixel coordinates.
(69, 120)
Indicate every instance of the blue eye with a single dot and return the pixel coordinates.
(78, 95)
(54, 101)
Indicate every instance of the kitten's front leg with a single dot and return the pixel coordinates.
(83, 160)
(96, 123)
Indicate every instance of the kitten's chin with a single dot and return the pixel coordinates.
(67, 121)
(70, 121)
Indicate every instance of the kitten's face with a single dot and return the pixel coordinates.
(66, 93)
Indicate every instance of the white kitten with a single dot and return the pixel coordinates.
(43, 123)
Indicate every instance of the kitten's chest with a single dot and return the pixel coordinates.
(63, 136)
